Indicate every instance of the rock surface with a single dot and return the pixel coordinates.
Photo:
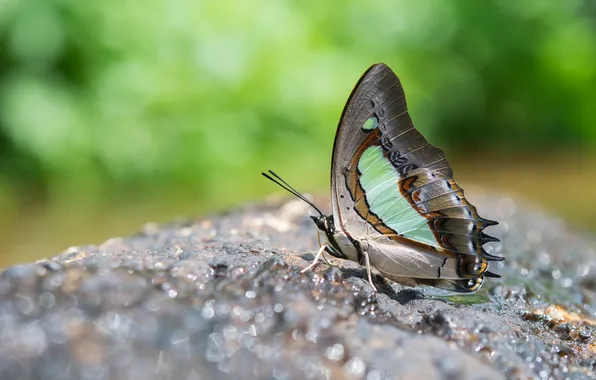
(223, 298)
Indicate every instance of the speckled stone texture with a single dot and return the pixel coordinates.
(223, 298)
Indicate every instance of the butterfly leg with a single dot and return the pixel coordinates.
(317, 257)
(329, 262)
(369, 271)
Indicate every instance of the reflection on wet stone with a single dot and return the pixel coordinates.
(224, 299)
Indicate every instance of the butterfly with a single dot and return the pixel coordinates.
(396, 206)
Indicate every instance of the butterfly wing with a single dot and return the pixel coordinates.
(389, 185)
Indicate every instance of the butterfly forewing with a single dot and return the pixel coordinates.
(392, 189)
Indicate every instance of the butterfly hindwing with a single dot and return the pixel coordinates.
(391, 187)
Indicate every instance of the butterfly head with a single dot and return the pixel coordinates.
(323, 222)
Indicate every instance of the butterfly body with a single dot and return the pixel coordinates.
(395, 204)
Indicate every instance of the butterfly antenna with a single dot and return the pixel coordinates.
(286, 186)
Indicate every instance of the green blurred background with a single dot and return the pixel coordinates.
(118, 112)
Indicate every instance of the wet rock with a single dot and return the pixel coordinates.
(223, 298)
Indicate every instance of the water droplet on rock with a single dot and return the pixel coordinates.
(585, 332)
(208, 312)
(356, 366)
(250, 294)
(335, 353)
